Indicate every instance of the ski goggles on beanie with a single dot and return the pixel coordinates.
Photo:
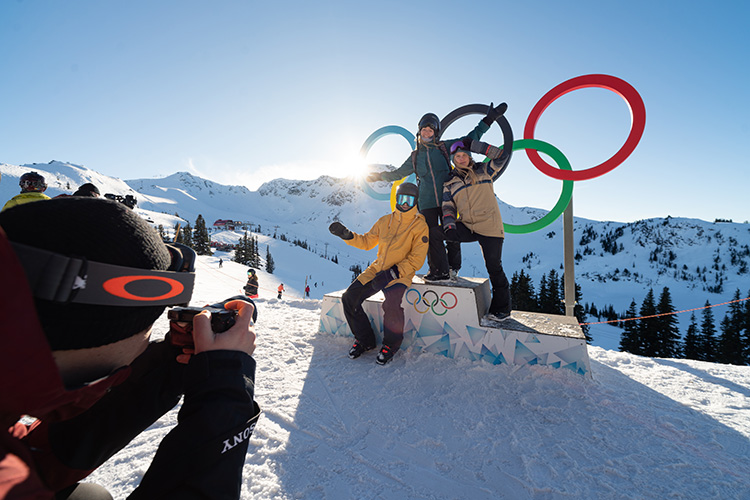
(63, 279)
(406, 199)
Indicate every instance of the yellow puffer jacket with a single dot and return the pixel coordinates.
(402, 239)
(22, 198)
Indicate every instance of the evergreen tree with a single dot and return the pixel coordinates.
(270, 266)
(580, 314)
(648, 333)
(522, 292)
(731, 349)
(668, 333)
(556, 293)
(257, 252)
(692, 346)
(730, 344)
(708, 335)
(746, 329)
(201, 240)
(544, 295)
(629, 340)
(240, 251)
(187, 235)
(162, 234)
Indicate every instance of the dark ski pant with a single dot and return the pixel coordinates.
(437, 259)
(393, 314)
(492, 250)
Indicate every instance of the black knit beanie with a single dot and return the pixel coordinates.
(99, 230)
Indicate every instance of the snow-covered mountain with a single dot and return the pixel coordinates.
(615, 262)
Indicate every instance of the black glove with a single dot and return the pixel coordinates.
(384, 277)
(340, 230)
(451, 234)
(375, 176)
(494, 113)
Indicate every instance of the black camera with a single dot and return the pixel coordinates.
(128, 200)
(221, 319)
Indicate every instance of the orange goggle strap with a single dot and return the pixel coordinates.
(60, 278)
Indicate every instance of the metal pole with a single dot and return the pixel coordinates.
(569, 261)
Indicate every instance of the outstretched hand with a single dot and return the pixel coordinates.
(375, 176)
(338, 229)
(493, 113)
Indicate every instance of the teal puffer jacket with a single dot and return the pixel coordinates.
(432, 168)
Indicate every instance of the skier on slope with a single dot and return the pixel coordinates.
(431, 164)
(251, 287)
(281, 290)
(402, 241)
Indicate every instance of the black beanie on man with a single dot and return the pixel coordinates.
(99, 230)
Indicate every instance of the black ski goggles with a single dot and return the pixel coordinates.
(59, 278)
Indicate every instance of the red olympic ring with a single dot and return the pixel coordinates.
(116, 287)
(616, 85)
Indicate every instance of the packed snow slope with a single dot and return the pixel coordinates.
(429, 427)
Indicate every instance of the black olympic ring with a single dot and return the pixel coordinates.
(481, 109)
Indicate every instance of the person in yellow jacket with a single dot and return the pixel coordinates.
(32, 189)
(402, 240)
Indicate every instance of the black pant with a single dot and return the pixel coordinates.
(492, 250)
(437, 259)
(393, 314)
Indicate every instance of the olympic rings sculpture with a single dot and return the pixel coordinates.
(533, 146)
(430, 306)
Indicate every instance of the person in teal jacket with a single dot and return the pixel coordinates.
(431, 164)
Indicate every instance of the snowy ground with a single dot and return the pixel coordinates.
(426, 426)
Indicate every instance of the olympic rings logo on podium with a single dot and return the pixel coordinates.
(439, 302)
(533, 146)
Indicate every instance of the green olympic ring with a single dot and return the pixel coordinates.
(565, 196)
(431, 306)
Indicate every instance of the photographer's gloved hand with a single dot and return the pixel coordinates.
(340, 230)
(375, 176)
(495, 113)
(240, 337)
(382, 279)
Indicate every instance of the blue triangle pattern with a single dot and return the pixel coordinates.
(475, 334)
(523, 354)
(571, 354)
(430, 327)
(441, 346)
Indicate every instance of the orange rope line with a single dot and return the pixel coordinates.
(664, 314)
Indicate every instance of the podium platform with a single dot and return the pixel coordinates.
(447, 319)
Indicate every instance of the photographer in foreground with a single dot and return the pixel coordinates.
(76, 356)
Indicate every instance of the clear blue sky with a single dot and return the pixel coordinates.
(241, 92)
